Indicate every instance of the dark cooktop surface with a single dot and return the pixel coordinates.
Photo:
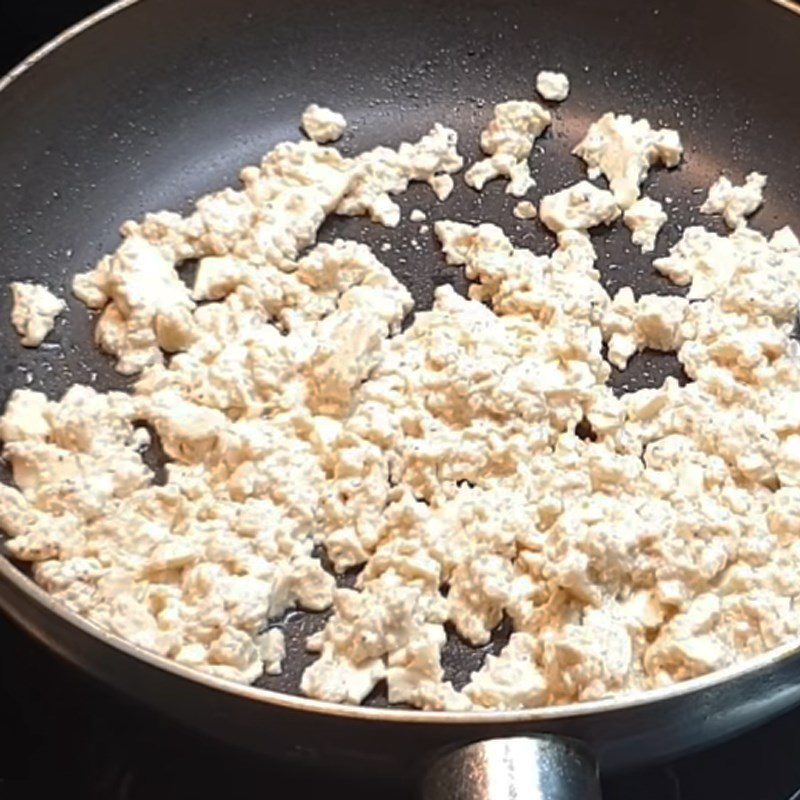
(65, 736)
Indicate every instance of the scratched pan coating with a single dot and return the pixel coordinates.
(164, 101)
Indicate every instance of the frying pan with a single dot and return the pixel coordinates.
(148, 104)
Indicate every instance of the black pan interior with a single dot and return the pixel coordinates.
(167, 99)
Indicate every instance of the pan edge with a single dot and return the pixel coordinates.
(9, 572)
(68, 33)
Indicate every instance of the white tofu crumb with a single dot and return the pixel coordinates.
(508, 141)
(442, 186)
(578, 207)
(511, 680)
(34, 312)
(653, 321)
(735, 203)
(552, 86)
(624, 151)
(381, 172)
(417, 215)
(525, 210)
(272, 649)
(645, 219)
(322, 124)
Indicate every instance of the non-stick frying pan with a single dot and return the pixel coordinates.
(151, 103)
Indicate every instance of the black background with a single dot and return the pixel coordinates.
(65, 736)
(27, 25)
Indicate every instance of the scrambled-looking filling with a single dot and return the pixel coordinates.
(507, 141)
(624, 151)
(644, 219)
(443, 461)
(735, 203)
(34, 312)
(322, 124)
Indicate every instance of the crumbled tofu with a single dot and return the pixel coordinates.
(34, 312)
(624, 151)
(578, 207)
(700, 258)
(417, 215)
(645, 219)
(443, 460)
(272, 649)
(735, 203)
(381, 172)
(508, 141)
(323, 125)
(732, 268)
(512, 680)
(652, 321)
(525, 210)
(442, 186)
(552, 85)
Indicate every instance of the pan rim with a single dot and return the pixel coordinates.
(66, 35)
(9, 572)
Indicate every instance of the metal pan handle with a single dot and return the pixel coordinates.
(524, 768)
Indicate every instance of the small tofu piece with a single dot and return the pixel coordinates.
(525, 210)
(645, 219)
(552, 86)
(322, 124)
(34, 312)
(735, 203)
(578, 207)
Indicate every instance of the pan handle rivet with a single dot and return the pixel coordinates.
(522, 768)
